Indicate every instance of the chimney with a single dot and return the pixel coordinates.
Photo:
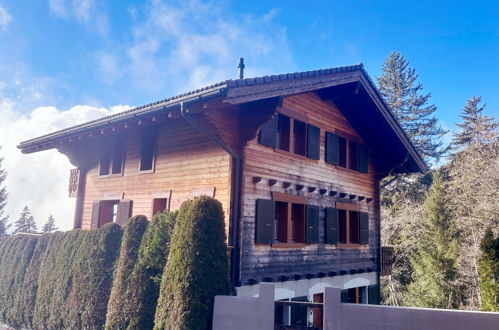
(241, 68)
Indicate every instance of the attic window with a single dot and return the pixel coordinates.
(112, 159)
(344, 152)
(292, 135)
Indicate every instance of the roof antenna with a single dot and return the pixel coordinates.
(241, 68)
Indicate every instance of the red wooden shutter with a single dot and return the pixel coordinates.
(313, 142)
(94, 220)
(124, 211)
(264, 224)
(364, 228)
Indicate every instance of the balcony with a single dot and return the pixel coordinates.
(74, 181)
(386, 260)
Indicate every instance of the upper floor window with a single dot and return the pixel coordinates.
(346, 153)
(112, 158)
(147, 150)
(292, 135)
(346, 225)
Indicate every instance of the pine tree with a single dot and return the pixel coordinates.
(3, 201)
(435, 262)
(26, 222)
(49, 226)
(489, 272)
(399, 86)
(476, 127)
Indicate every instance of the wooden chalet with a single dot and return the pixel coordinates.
(296, 160)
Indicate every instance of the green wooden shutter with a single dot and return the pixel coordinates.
(364, 228)
(94, 220)
(362, 158)
(331, 148)
(312, 224)
(265, 212)
(268, 133)
(313, 142)
(331, 225)
(373, 297)
(124, 211)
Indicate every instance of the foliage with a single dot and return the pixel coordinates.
(75, 278)
(146, 277)
(26, 222)
(489, 272)
(49, 226)
(15, 256)
(434, 263)
(197, 267)
(3, 200)
(399, 87)
(120, 306)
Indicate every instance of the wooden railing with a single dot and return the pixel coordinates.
(74, 181)
(298, 315)
(386, 260)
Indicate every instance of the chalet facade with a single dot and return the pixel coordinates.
(295, 159)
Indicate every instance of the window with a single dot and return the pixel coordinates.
(147, 150)
(112, 159)
(286, 219)
(290, 134)
(159, 205)
(346, 225)
(106, 211)
(354, 295)
(109, 212)
(346, 153)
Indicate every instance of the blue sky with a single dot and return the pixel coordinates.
(67, 61)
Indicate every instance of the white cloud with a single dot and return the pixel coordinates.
(5, 19)
(182, 45)
(89, 13)
(40, 180)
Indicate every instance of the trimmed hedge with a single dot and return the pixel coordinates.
(197, 268)
(120, 304)
(146, 277)
(15, 256)
(75, 278)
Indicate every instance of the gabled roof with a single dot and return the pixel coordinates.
(344, 85)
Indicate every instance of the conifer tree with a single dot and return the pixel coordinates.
(435, 263)
(476, 128)
(26, 222)
(489, 272)
(3, 200)
(399, 87)
(49, 226)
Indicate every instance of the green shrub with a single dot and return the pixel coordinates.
(197, 267)
(120, 304)
(146, 277)
(25, 299)
(92, 278)
(14, 260)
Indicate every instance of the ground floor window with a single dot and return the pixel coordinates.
(354, 295)
(108, 212)
(160, 205)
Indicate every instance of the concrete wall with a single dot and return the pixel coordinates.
(245, 313)
(338, 316)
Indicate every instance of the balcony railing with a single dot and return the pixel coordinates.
(386, 260)
(74, 181)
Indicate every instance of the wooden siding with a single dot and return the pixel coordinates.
(185, 160)
(259, 261)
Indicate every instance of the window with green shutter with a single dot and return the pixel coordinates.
(313, 141)
(331, 225)
(364, 228)
(344, 152)
(265, 213)
(373, 297)
(332, 151)
(268, 133)
(363, 158)
(312, 224)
